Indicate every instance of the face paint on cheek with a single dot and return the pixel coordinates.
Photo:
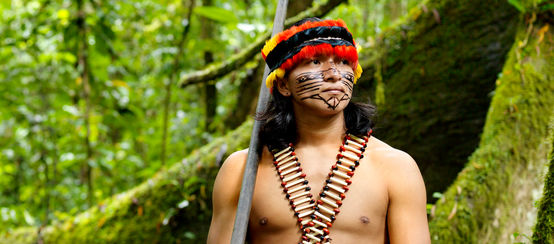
(348, 80)
(308, 83)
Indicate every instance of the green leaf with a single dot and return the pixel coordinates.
(217, 14)
(518, 5)
(547, 7)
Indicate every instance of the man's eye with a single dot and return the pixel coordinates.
(344, 61)
(315, 61)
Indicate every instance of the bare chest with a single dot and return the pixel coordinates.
(362, 213)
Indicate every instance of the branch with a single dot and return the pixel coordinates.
(215, 71)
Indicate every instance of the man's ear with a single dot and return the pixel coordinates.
(283, 87)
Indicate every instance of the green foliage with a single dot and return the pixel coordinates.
(218, 14)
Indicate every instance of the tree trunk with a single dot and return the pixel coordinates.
(492, 198)
(544, 229)
(431, 77)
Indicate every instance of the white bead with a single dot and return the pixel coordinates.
(307, 199)
(313, 237)
(290, 184)
(341, 174)
(298, 209)
(290, 170)
(348, 162)
(282, 151)
(290, 177)
(328, 193)
(329, 211)
(304, 214)
(322, 216)
(281, 162)
(319, 223)
(314, 229)
(291, 191)
(336, 188)
(333, 204)
(283, 156)
(299, 195)
(287, 165)
(339, 181)
(343, 167)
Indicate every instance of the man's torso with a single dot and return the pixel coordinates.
(362, 216)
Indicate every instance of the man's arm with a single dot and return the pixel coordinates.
(407, 214)
(225, 198)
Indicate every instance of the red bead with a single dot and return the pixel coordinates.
(299, 169)
(293, 153)
(290, 144)
(283, 183)
(341, 148)
(329, 224)
(285, 189)
(326, 231)
(311, 223)
(336, 210)
(305, 238)
(310, 195)
(307, 230)
(303, 175)
(339, 202)
(334, 166)
(348, 181)
(359, 154)
(275, 162)
(331, 174)
(293, 206)
(300, 219)
(319, 202)
(350, 173)
(280, 176)
(342, 196)
(345, 187)
(348, 137)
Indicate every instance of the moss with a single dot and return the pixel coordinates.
(544, 229)
(432, 73)
(149, 213)
(491, 199)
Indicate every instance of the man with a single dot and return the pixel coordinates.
(322, 178)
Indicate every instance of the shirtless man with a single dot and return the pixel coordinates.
(322, 178)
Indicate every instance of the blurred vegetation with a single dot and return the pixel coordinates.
(86, 84)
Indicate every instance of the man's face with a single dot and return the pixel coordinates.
(323, 83)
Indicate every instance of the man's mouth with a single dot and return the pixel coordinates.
(334, 90)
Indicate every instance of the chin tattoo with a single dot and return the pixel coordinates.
(308, 86)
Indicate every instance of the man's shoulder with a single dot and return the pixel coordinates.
(390, 158)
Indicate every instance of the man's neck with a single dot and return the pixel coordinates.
(320, 131)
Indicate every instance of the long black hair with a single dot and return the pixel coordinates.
(279, 127)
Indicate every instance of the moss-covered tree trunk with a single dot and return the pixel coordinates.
(492, 199)
(432, 75)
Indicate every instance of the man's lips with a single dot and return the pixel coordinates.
(334, 90)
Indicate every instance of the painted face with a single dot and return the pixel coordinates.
(323, 82)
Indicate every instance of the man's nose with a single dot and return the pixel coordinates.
(331, 73)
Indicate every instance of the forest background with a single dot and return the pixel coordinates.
(115, 115)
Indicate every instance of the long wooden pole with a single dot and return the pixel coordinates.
(255, 148)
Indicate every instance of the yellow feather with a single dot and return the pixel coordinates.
(358, 73)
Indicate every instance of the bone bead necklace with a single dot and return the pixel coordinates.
(315, 218)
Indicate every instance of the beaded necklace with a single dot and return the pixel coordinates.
(316, 217)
